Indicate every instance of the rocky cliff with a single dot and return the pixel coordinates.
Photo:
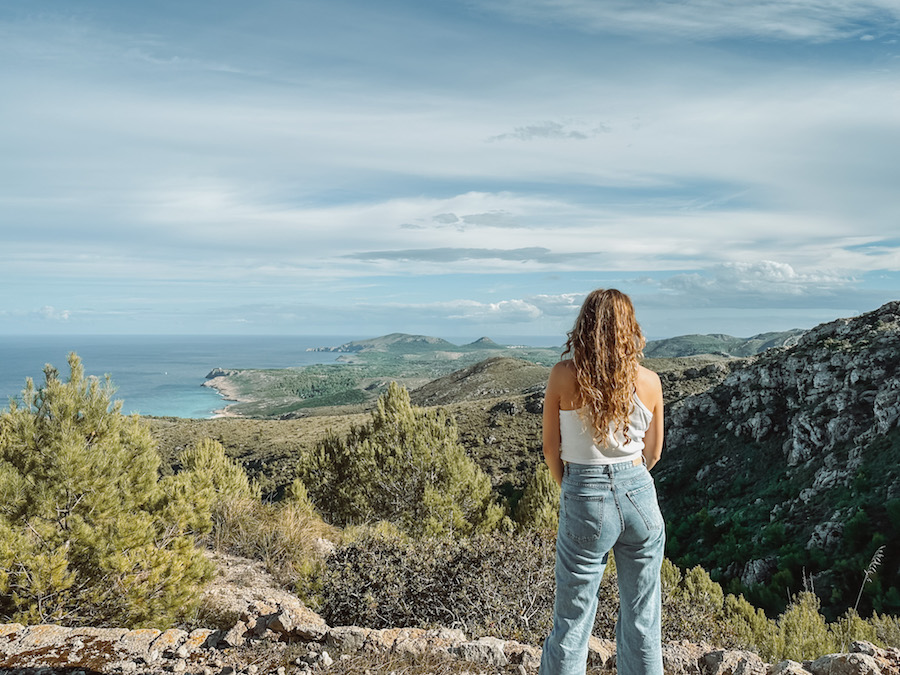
(795, 449)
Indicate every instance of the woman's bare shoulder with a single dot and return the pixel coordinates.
(649, 387)
(647, 375)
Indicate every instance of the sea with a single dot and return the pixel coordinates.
(157, 375)
(162, 375)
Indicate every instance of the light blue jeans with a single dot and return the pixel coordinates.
(602, 508)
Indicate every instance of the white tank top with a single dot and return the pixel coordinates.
(577, 444)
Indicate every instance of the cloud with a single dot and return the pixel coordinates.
(758, 284)
(446, 218)
(53, 314)
(505, 311)
(806, 20)
(447, 255)
(548, 130)
(492, 219)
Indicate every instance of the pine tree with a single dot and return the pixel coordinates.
(539, 507)
(405, 465)
(88, 534)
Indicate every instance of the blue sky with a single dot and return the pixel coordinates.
(458, 168)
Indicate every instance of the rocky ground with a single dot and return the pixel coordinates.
(274, 633)
(274, 640)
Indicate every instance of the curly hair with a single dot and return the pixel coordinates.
(606, 344)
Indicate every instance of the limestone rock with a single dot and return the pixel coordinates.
(682, 658)
(234, 637)
(486, 651)
(137, 642)
(846, 664)
(600, 652)
(346, 639)
(732, 662)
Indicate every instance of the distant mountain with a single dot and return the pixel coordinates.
(789, 469)
(389, 343)
(483, 343)
(717, 343)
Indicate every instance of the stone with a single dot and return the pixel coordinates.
(8, 629)
(682, 657)
(600, 652)
(346, 639)
(325, 660)
(234, 637)
(37, 637)
(732, 662)
(444, 638)
(137, 642)
(169, 640)
(486, 651)
(195, 640)
(307, 626)
(524, 655)
(846, 664)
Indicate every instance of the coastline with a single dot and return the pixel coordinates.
(228, 391)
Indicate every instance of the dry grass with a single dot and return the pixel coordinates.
(287, 537)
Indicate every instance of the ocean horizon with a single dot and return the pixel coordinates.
(156, 375)
(162, 375)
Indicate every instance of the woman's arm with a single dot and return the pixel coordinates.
(555, 386)
(651, 395)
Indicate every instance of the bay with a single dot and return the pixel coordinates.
(158, 375)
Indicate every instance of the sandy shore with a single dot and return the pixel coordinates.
(228, 391)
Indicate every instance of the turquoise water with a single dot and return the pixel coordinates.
(158, 375)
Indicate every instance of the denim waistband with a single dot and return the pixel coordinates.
(589, 470)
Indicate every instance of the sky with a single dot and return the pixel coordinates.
(453, 168)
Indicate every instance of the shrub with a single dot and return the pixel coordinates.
(404, 465)
(803, 630)
(498, 584)
(88, 534)
(539, 507)
(211, 470)
(752, 629)
(692, 606)
(887, 629)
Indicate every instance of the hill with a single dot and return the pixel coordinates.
(497, 376)
(786, 473)
(717, 343)
(365, 369)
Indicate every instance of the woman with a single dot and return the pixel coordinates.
(603, 431)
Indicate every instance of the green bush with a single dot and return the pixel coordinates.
(539, 507)
(211, 470)
(404, 465)
(88, 534)
(804, 631)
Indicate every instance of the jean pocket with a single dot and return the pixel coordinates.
(583, 516)
(644, 501)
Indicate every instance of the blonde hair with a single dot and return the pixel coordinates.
(606, 344)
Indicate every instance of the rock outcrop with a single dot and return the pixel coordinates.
(786, 434)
